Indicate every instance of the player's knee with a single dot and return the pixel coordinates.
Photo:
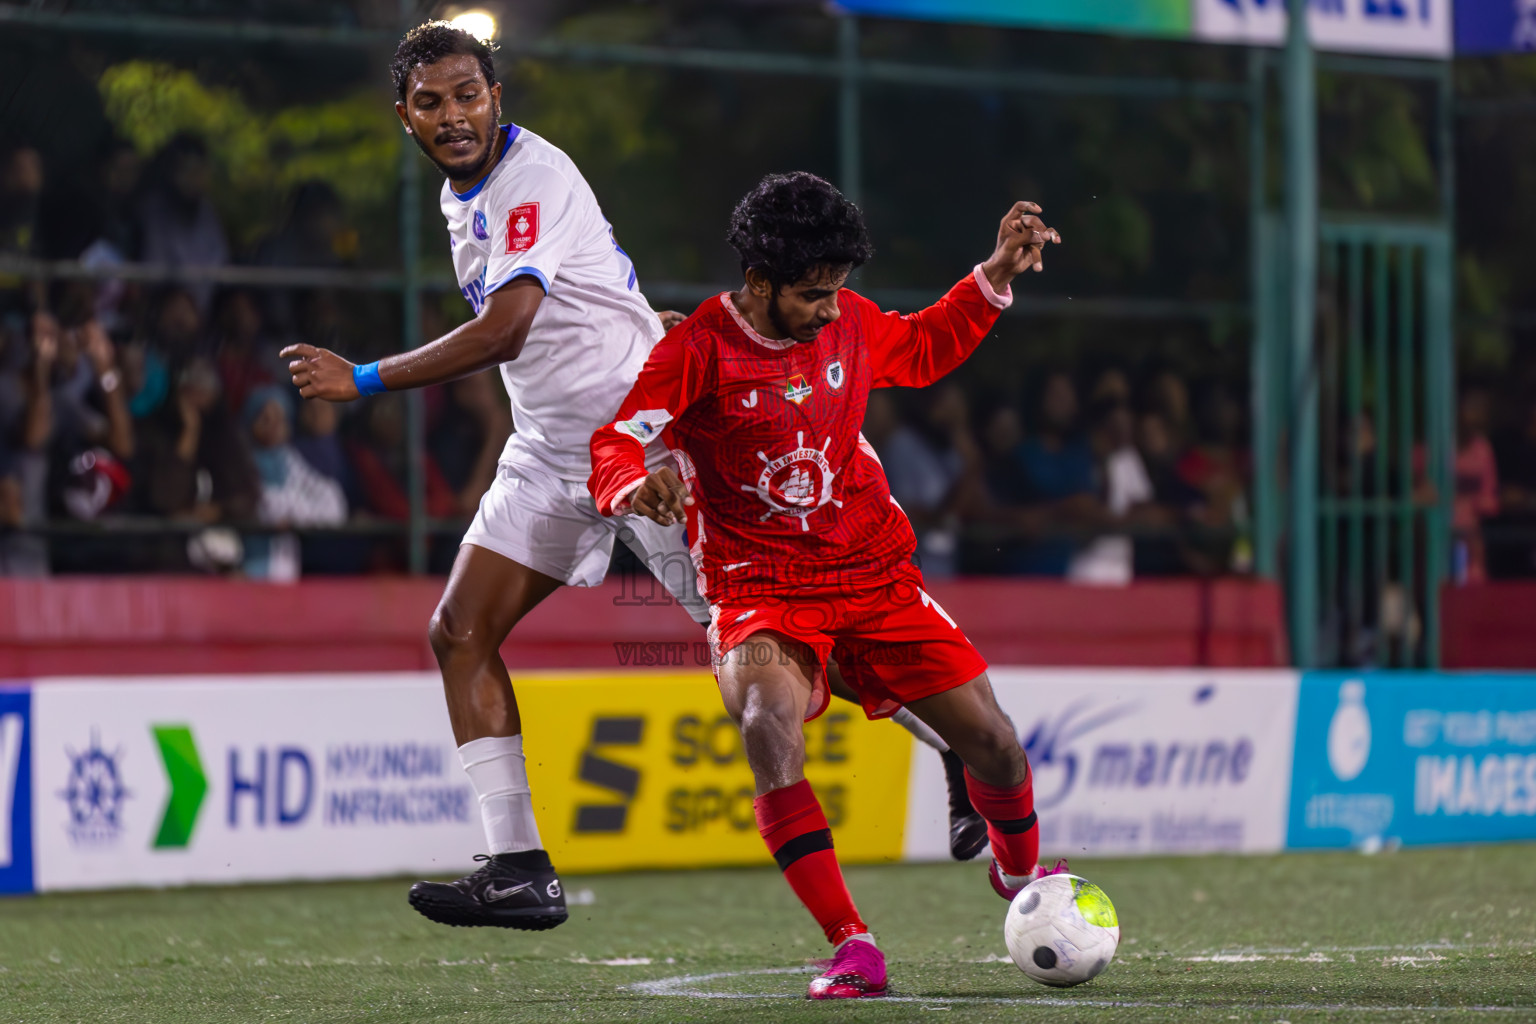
(769, 719)
(451, 635)
(995, 756)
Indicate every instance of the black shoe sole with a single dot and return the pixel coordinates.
(527, 919)
(967, 836)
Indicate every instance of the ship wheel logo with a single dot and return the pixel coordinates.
(796, 483)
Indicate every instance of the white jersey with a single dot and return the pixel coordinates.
(535, 215)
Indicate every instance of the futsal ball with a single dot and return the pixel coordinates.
(1061, 930)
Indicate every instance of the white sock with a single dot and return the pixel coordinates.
(860, 937)
(496, 771)
(917, 727)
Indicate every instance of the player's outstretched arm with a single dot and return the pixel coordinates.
(495, 336)
(919, 348)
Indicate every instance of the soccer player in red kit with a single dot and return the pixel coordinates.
(802, 552)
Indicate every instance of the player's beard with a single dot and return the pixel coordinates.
(487, 156)
(776, 317)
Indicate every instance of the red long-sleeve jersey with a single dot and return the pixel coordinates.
(765, 433)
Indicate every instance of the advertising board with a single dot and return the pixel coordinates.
(1145, 17)
(1138, 761)
(647, 770)
(177, 780)
(169, 781)
(1495, 26)
(1401, 28)
(1413, 757)
(166, 781)
(15, 789)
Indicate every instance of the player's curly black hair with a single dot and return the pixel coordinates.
(429, 43)
(790, 224)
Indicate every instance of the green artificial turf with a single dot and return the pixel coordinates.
(1442, 935)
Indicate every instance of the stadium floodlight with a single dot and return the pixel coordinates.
(477, 22)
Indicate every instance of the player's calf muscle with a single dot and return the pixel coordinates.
(774, 740)
(993, 755)
(977, 729)
(767, 698)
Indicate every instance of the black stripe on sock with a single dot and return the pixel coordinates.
(800, 846)
(1014, 826)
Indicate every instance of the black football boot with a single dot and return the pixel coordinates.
(509, 890)
(967, 829)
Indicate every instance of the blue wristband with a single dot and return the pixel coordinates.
(367, 379)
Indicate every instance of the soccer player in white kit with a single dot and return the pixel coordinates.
(558, 309)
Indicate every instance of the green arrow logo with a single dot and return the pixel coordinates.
(188, 784)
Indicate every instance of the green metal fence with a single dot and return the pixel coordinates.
(1378, 380)
(1387, 393)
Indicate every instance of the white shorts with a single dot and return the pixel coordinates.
(552, 526)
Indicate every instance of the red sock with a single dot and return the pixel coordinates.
(797, 834)
(1011, 824)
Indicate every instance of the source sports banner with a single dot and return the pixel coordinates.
(647, 770)
(1413, 757)
(1138, 761)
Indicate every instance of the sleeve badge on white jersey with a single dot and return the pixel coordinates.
(522, 227)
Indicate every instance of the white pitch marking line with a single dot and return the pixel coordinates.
(676, 987)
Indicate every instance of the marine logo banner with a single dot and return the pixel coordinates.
(1139, 760)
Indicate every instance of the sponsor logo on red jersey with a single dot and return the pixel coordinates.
(796, 483)
(796, 389)
(522, 227)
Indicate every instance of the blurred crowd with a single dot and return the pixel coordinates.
(1096, 480)
(124, 404)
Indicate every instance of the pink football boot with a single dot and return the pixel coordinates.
(1008, 886)
(856, 971)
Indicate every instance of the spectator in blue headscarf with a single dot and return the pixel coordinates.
(293, 493)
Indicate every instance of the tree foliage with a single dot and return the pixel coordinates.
(351, 144)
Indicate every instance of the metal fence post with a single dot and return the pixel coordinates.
(1265, 335)
(849, 142)
(1301, 224)
(410, 328)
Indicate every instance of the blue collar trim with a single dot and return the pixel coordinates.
(511, 131)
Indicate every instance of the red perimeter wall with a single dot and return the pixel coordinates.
(155, 625)
(1489, 625)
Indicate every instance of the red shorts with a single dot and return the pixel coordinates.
(893, 643)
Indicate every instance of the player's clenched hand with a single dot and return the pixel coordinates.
(670, 318)
(320, 373)
(1021, 243)
(661, 497)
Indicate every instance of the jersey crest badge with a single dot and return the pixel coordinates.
(835, 377)
(477, 225)
(796, 389)
(522, 227)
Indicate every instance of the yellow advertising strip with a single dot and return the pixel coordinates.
(643, 770)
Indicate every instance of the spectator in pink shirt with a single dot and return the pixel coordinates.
(1476, 482)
